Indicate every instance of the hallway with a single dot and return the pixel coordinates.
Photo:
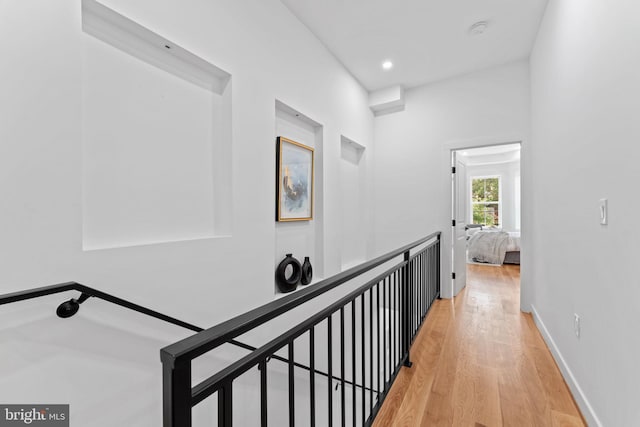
(478, 361)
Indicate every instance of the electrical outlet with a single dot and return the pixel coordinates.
(576, 325)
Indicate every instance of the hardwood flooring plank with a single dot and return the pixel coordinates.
(478, 361)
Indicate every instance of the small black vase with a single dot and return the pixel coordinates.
(288, 283)
(307, 272)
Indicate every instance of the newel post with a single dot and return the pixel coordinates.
(176, 392)
(407, 308)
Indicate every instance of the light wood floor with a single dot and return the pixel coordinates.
(478, 361)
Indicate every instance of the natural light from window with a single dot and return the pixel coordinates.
(485, 200)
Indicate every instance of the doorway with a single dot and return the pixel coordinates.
(485, 208)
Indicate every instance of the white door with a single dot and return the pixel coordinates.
(460, 215)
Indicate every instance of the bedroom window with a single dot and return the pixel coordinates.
(485, 200)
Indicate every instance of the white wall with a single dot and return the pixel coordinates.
(356, 217)
(270, 56)
(412, 146)
(508, 173)
(585, 83)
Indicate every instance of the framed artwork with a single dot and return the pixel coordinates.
(294, 186)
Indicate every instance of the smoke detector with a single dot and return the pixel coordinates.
(478, 28)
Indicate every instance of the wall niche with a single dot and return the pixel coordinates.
(156, 149)
(353, 200)
(301, 238)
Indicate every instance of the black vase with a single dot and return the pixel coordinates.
(307, 272)
(288, 282)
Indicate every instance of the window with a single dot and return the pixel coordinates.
(485, 200)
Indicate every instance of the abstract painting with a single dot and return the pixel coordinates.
(294, 187)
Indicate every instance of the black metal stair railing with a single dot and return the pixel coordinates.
(359, 343)
(371, 330)
(70, 307)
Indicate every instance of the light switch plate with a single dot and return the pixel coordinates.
(604, 214)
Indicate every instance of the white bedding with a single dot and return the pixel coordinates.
(513, 244)
(491, 246)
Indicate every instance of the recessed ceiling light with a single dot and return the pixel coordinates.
(387, 65)
(478, 28)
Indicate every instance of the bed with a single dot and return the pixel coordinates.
(493, 246)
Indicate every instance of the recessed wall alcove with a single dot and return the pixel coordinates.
(156, 145)
(302, 238)
(353, 200)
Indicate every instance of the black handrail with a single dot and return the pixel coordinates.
(69, 308)
(198, 344)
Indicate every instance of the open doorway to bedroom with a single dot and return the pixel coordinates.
(486, 213)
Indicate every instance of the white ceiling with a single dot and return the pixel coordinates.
(427, 40)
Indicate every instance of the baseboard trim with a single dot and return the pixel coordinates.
(583, 403)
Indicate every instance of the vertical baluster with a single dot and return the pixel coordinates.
(423, 297)
(390, 322)
(418, 285)
(406, 316)
(398, 318)
(392, 284)
(416, 269)
(430, 273)
(329, 371)
(400, 313)
(292, 402)
(411, 299)
(378, 339)
(403, 312)
(370, 349)
(384, 331)
(436, 269)
(416, 278)
(312, 377)
(438, 266)
(388, 328)
(427, 268)
(225, 405)
(428, 277)
(416, 317)
(407, 313)
(425, 288)
(407, 310)
(263, 393)
(425, 279)
(353, 360)
(438, 278)
(342, 373)
(362, 359)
